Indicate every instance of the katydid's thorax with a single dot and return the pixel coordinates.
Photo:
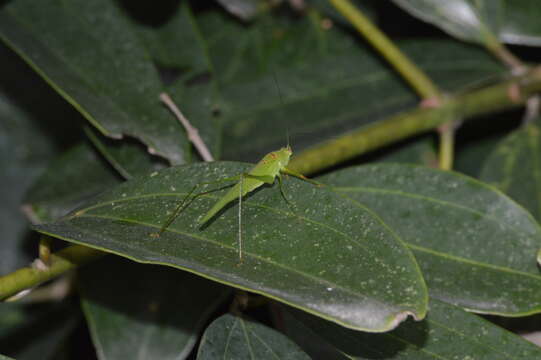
(272, 163)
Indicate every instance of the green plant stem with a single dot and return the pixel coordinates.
(407, 69)
(490, 99)
(60, 262)
(418, 80)
(447, 145)
(45, 250)
(501, 52)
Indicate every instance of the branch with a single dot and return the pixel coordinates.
(60, 262)
(193, 133)
(401, 126)
(407, 69)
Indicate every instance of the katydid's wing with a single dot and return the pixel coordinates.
(265, 171)
(248, 184)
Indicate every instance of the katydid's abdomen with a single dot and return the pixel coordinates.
(265, 171)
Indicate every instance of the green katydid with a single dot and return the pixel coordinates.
(270, 167)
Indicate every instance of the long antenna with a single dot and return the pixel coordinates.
(281, 102)
(277, 87)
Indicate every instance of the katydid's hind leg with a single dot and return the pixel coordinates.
(175, 213)
(184, 203)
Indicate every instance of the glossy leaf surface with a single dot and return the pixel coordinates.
(98, 65)
(277, 77)
(447, 333)
(231, 337)
(477, 248)
(514, 167)
(512, 21)
(319, 253)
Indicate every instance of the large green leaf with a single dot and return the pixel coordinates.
(277, 77)
(233, 338)
(447, 333)
(512, 21)
(70, 180)
(98, 65)
(135, 309)
(320, 253)
(477, 248)
(515, 167)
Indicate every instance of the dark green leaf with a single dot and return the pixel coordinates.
(176, 43)
(235, 338)
(135, 309)
(470, 157)
(278, 77)
(512, 21)
(97, 64)
(319, 253)
(476, 247)
(515, 167)
(198, 104)
(417, 151)
(447, 333)
(24, 151)
(69, 181)
(127, 157)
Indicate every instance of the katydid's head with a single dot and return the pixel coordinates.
(283, 155)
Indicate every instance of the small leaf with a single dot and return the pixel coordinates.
(447, 333)
(97, 64)
(127, 157)
(81, 168)
(235, 338)
(514, 167)
(135, 309)
(318, 253)
(512, 21)
(476, 247)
